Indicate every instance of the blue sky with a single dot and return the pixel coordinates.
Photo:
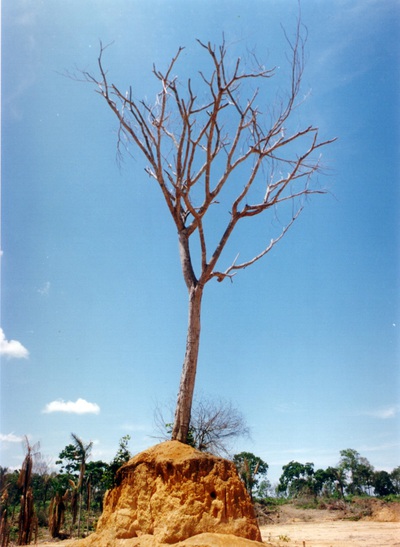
(305, 343)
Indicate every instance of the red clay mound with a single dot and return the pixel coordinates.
(172, 492)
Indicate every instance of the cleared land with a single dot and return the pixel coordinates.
(378, 525)
(365, 524)
(333, 534)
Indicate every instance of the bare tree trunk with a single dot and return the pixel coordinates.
(188, 376)
(79, 513)
(181, 136)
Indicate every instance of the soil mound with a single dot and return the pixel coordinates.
(383, 511)
(174, 494)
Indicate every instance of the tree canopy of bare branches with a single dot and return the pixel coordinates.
(218, 143)
(214, 425)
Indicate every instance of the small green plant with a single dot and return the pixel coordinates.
(392, 497)
(284, 538)
(273, 501)
(306, 503)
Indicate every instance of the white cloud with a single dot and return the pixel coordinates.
(10, 438)
(80, 406)
(384, 413)
(12, 349)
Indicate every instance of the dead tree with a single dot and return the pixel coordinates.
(56, 515)
(220, 153)
(4, 513)
(27, 523)
(214, 424)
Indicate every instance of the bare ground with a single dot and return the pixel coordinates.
(333, 534)
(369, 523)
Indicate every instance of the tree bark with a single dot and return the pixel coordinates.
(182, 136)
(188, 375)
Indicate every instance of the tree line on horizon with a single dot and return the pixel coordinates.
(70, 501)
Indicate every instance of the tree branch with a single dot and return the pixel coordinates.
(182, 137)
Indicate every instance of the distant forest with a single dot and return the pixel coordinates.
(69, 502)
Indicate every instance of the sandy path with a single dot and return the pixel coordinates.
(334, 534)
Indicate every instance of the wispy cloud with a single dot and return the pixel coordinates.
(311, 453)
(80, 406)
(379, 447)
(348, 27)
(12, 349)
(383, 413)
(45, 289)
(133, 427)
(23, 24)
(288, 407)
(10, 438)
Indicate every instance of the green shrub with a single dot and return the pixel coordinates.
(273, 502)
(392, 498)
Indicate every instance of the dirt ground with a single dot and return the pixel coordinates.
(333, 534)
(370, 524)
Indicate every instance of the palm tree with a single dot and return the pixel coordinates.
(82, 454)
